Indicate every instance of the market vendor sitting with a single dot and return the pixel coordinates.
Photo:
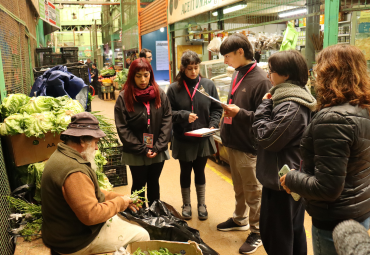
(78, 216)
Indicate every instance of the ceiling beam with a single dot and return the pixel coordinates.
(85, 2)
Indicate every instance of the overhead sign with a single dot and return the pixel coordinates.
(183, 9)
(49, 13)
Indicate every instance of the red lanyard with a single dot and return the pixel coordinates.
(237, 85)
(147, 106)
(192, 96)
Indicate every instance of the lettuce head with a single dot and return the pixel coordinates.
(73, 105)
(13, 103)
(39, 104)
(12, 125)
(60, 102)
(63, 118)
(38, 124)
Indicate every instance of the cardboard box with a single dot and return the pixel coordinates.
(190, 248)
(29, 150)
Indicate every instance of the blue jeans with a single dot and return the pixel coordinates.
(322, 240)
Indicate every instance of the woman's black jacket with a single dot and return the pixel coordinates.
(132, 125)
(335, 177)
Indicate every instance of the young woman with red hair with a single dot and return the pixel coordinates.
(143, 119)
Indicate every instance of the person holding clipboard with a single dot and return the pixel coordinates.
(248, 86)
(192, 111)
(143, 119)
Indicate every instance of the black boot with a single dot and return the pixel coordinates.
(186, 208)
(202, 208)
(186, 211)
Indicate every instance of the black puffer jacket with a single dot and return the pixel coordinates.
(335, 177)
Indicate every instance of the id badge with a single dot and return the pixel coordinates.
(148, 140)
(228, 120)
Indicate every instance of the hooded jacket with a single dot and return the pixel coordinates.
(279, 125)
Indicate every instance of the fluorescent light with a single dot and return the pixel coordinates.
(161, 29)
(293, 12)
(231, 9)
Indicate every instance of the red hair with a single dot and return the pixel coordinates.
(129, 87)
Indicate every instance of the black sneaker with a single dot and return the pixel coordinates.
(230, 225)
(251, 244)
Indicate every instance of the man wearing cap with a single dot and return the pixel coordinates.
(79, 217)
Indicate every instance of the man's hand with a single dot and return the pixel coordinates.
(267, 96)
(282, 180)
(212, 128)
(151, 154)
(231, 110)
(192, 117)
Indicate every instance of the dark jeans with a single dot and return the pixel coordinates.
(147, 175)
(322, 240)
(199, 164)
(281, 223)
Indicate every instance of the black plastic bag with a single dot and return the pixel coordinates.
(163, 222)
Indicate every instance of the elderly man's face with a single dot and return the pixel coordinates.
(89, 150)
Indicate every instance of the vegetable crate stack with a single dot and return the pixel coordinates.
(111, 153)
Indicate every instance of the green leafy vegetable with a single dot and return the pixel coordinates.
(105, 72)
(13, 103)
(34, 222)
(60, 102)
(12, 125)
(39, 104)
(137, 199)
(161, 251)
(90, 98)
(73, 105)
(62, 120)
(33, 175)
(121, 77)
(103, 180)
(38, 124)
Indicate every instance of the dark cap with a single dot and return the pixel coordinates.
(84, 124)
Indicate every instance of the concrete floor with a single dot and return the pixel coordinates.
(219, 199)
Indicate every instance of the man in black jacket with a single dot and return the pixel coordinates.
(249, 85)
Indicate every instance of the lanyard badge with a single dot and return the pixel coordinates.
(192, 96)
(234, 88)
(148, 138)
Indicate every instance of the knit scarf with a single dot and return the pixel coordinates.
(290, 92)
(144, 95)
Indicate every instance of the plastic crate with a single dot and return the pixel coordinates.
(43, 56)
(107, 89)
(113, 155)
(117, 175)
(56, 58)
(70, 59)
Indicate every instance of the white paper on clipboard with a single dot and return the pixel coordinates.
(212, 98)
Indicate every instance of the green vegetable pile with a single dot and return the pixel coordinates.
(37, 116)
(105, 72)
(161, 251)
(121, 77)
(31, 220)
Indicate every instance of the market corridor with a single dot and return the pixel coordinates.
(219, 198)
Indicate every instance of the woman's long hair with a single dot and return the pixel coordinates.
(129, 87)
(188, 58)
(342, 77)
